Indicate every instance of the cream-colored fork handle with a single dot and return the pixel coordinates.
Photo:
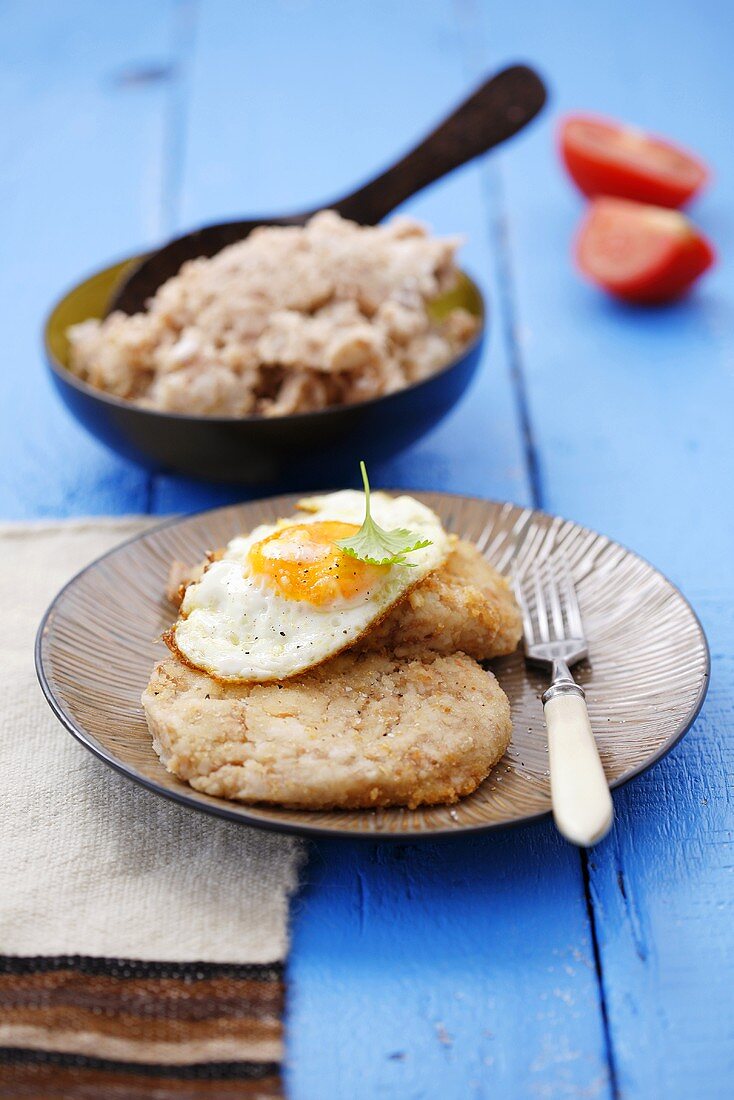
(582, 804)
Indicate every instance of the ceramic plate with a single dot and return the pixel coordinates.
(645, 680)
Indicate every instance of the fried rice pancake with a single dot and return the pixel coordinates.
(366, 729)
(464, 606)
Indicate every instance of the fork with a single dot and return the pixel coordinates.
(554, 638)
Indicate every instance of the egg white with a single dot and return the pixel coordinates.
(235, 626)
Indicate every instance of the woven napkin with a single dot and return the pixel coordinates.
(141, 943)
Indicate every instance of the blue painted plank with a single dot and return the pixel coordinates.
(461, 969)
(442, 970)
(83, 91)
(631, 411)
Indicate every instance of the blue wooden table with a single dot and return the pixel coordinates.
(509, 965)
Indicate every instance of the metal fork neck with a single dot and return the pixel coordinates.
(563, 683)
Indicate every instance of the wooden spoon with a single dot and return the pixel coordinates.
(500, 107)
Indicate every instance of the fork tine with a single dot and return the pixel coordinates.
(541, 606)
(527, 619)
(554, 600)
(573, 611)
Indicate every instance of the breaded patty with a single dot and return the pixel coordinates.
(366, 729)
(465, 606)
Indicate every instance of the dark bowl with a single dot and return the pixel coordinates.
(314, 448)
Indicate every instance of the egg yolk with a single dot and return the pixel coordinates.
(303, 563)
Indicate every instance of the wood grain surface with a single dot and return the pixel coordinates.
(508, 965)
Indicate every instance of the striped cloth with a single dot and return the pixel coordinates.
(141, 944)
(83, 1026)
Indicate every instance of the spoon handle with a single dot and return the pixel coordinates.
(499, 108)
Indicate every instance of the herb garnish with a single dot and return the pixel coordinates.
(375, 545)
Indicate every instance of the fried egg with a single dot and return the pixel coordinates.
(285, 597)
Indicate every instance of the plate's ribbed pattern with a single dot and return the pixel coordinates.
(645, 681)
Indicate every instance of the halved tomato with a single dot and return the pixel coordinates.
(641, 253)
(608, 158)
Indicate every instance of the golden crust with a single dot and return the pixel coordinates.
(465, 606)
(367, 729)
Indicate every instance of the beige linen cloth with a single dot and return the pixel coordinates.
(118, 907)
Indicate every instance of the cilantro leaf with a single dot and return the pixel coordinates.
(375, 545)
